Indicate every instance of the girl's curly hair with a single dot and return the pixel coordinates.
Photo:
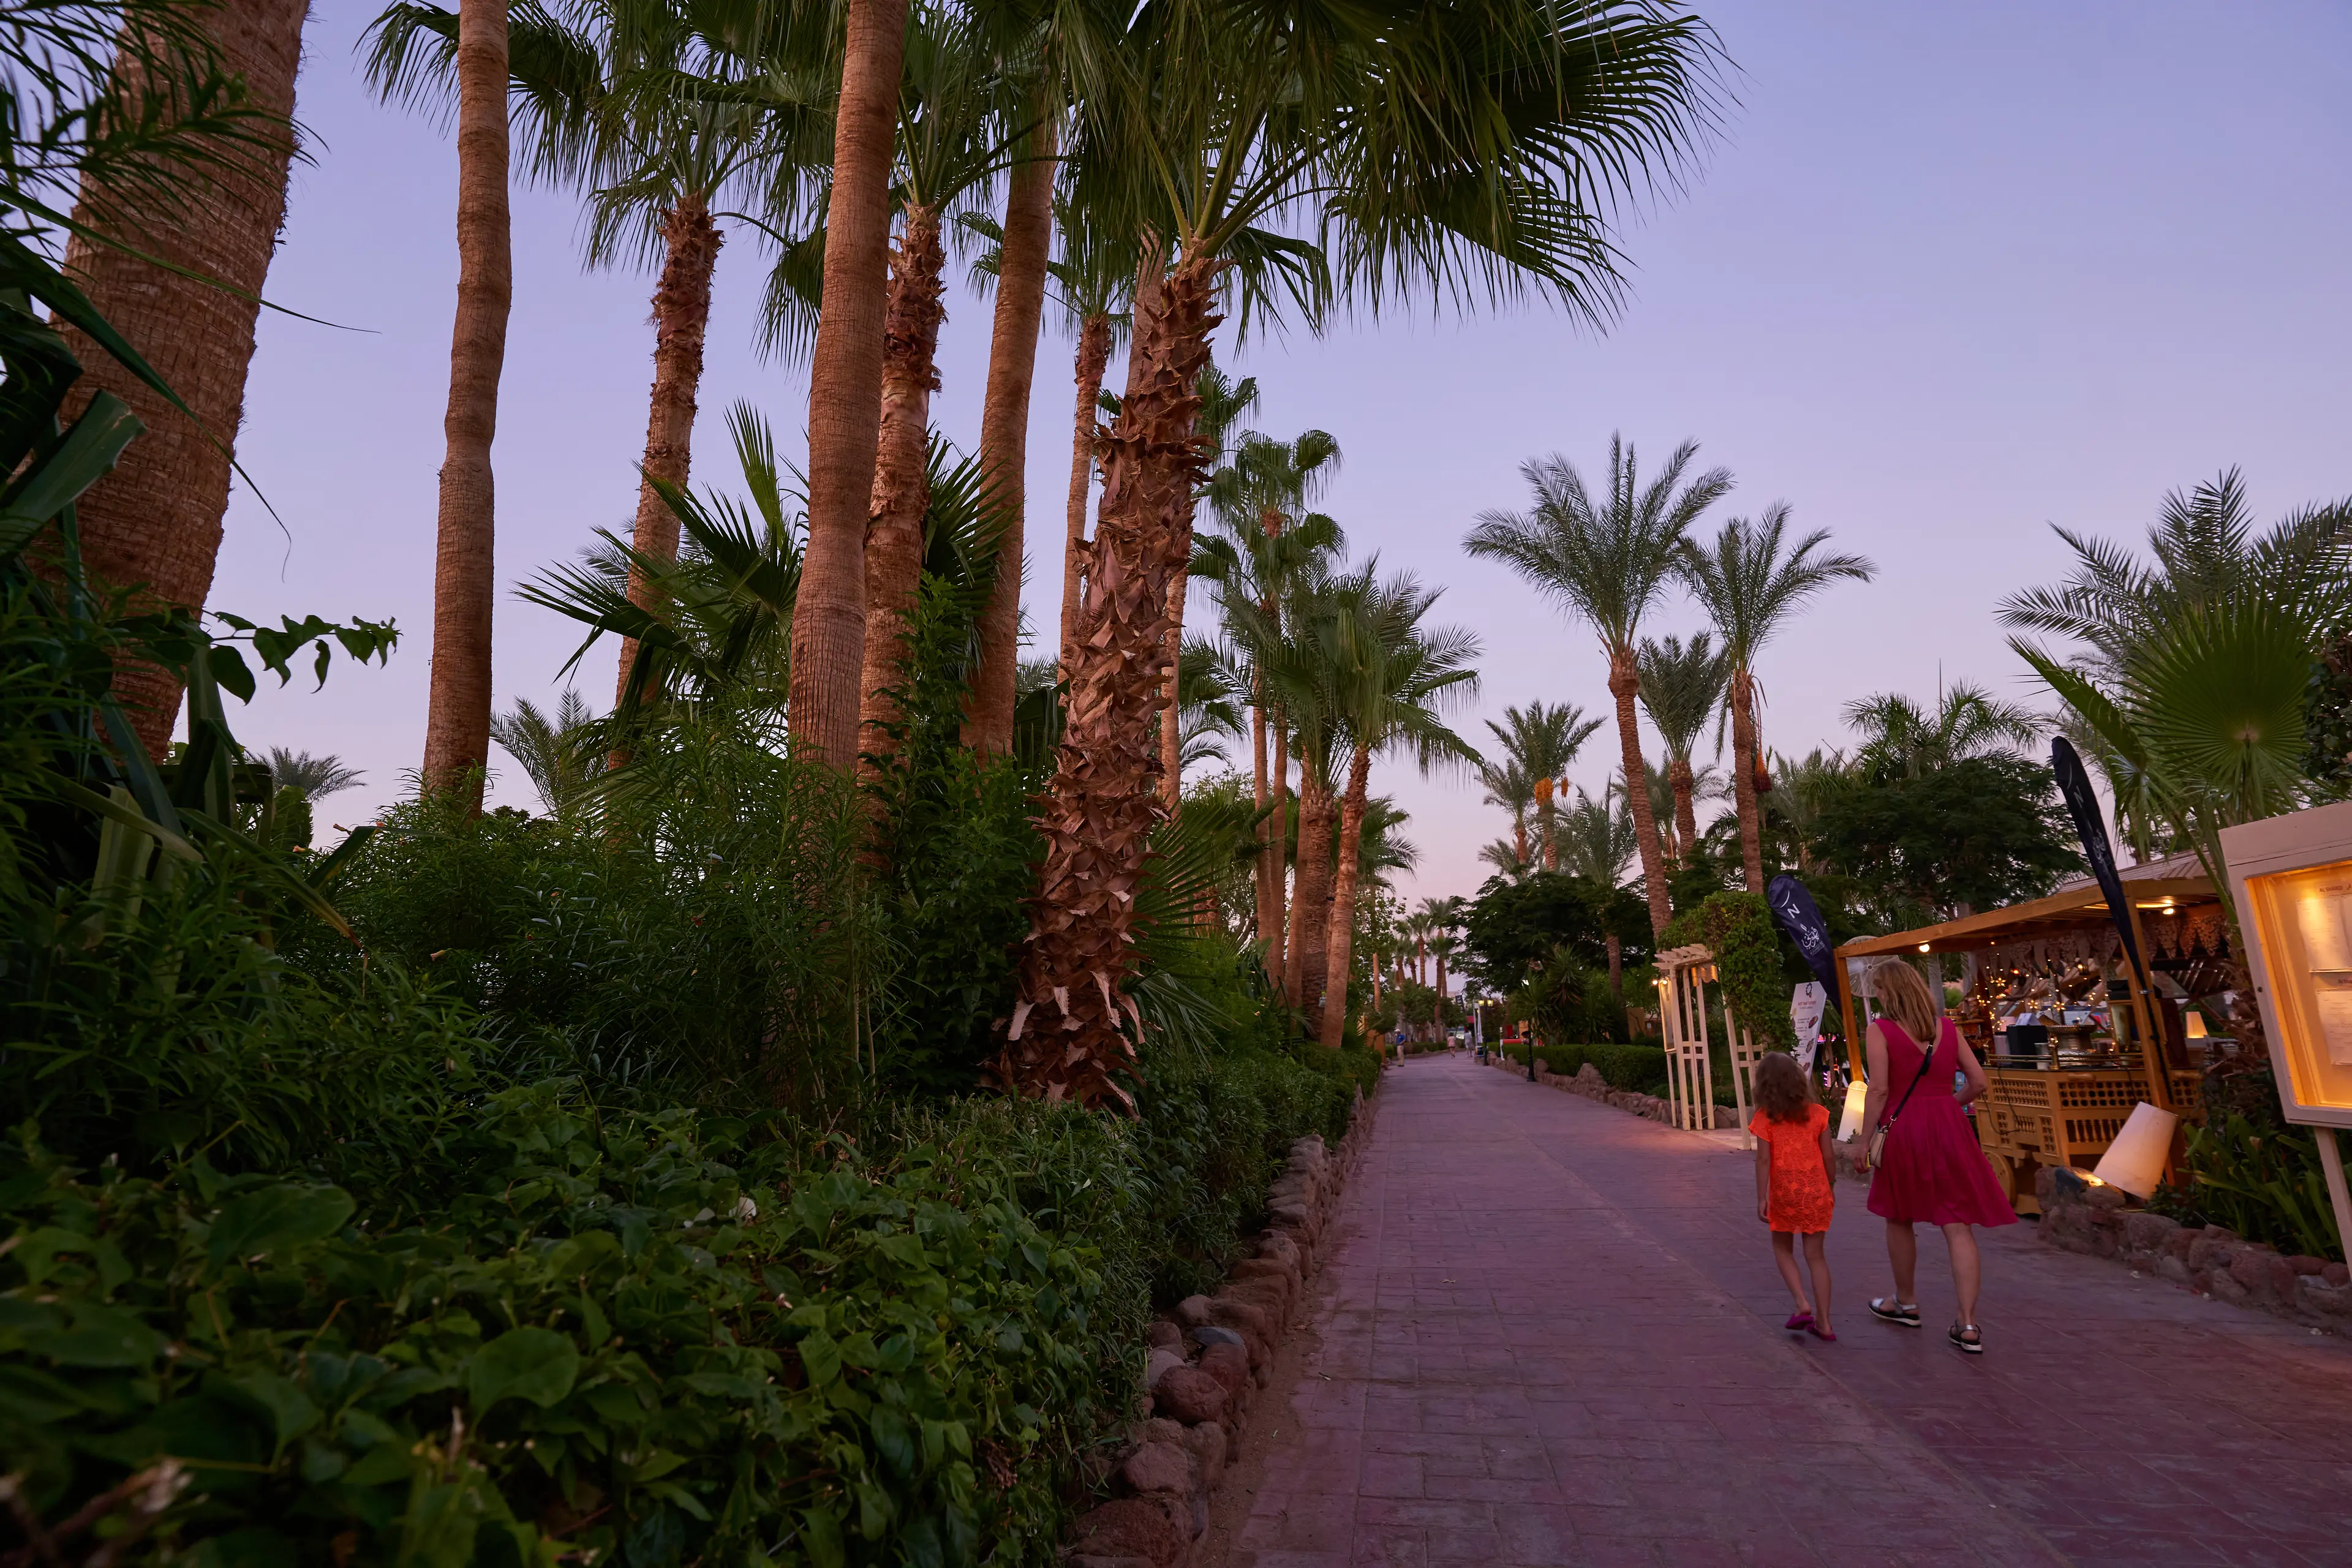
(1783, 1090)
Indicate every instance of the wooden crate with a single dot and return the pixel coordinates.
(2032, 1116)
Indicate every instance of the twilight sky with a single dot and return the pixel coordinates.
(1952, 274)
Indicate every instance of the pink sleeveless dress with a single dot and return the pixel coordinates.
(1933, 1171)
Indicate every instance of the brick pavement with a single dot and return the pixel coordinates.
(1548, 1333)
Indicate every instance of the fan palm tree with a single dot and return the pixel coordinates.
(1542, 741)
(1750, 586)
(1395, 679)
(1682, 687)
(1471, 152)
(1606, 559)
(181, 163)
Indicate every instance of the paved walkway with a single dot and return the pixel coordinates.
(1550, 1333)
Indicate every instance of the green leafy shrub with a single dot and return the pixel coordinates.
(2247, 1170)
(1739, 929)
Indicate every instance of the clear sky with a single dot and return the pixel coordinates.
(1952, 274)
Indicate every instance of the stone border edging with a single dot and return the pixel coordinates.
(1589, 1083)
(2214, 1262)
(1206, 1367)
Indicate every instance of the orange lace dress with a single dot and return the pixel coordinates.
(1800, 1199)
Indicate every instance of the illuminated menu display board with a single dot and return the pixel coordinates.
(2291, 878)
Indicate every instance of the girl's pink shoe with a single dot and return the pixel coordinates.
(1820, 1332)
(1798, 1323)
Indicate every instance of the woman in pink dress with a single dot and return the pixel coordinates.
(1933, 1170)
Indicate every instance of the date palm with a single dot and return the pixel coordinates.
(1752, 583)
(1542, 741)
(559, 751)
(1467, 151)
(1606, 559)
(1902, 740)
(1508, 786)
(313, 778)
(1393, 680)
(1682, 687)
(1597, 843)
(1224, 403)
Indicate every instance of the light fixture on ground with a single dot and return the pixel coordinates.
(2135, 1161)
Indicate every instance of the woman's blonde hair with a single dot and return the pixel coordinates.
(1903, 996)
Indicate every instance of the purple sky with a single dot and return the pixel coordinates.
(1952, 274)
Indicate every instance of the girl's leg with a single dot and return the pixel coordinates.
(1967, 1269)
(1902, 1252)
(1784, 1254)
(1817, 1264)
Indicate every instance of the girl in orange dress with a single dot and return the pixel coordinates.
(1793, 1172)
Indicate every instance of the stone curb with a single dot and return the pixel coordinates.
(1206, 1366)
(2214, 1262)
(1589, 1083)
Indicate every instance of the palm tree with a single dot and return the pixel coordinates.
(1394, 679)
(1505, 858)
(173, 255)
(559, 752)
(846, 386)
(1801, 789)
(1219, 130)
(1508, 786)
(1606, 561)
(1597, 841)
(1266, 542)
(1682, 687)
(1223, 402)
(1903, 740)
(313, 778)
(1542, 741)
(1443, 946)
(1750, 587)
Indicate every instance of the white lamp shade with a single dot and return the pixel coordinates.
(2135, 1161)
(1851, 1122)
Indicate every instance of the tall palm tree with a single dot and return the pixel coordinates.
(1395, 679)
(1542, 741)
(846, 386)
(1606, 559)
(1682, 687)
(1266, 542)
(1224, 129)
(1750, 586)
(1801, 789)
(1223, 402)
(1508, 786)
(174, 258)
(457, 706)
(1597, 842)
(1443, 946)
(1506, 857)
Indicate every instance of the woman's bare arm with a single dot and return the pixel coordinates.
(1874, 1101)
(1972, 1070)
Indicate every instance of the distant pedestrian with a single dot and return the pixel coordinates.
(1793, 1177)
(1931, 1168)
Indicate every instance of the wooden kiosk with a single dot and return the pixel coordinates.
(2069, 1039)
(1684, 973)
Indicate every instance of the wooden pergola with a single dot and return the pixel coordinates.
(1684, 973)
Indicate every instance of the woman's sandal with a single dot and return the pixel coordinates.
(1968, 1338)
(1799, 1321)
(1886, 1309)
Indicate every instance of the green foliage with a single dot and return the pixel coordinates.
(1976, 833)
(1513, 923)
(2263, 1182)
(1636, 1069)
(1565, 998)
(1737, 928)
(2327, 718)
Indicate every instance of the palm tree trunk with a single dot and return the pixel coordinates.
(1171, 717)
(1546, 829)
(1281, 953)
(1624, 684)
(1519, 835)
(1004, 432)
(457, 709)
(846, 389)
(1311, 917)
(156, 519)
(1266, 916)
(1616, 968)
(1680, 778)
(1101, 805)
(1340, 942)
(1437, 1006)
(894, 534)
(1743, 779)
(1094, 355)
(682, 317)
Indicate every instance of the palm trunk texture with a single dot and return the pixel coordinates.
(1171, 717)
(1680, 778)
(846, 389)
(465, 580)
(1093, 356)
(1312, 897)
(1437, 1007)
(1101, 807)
(1743, 779)
(690, 244)
(1339, 946)
(894, 533)
(1624, 684)
(155, 520)
(1004, 433)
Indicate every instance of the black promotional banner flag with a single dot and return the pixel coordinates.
(1797, 915)
(2083, 805)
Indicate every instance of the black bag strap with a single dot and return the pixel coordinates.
(1928, 1057)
